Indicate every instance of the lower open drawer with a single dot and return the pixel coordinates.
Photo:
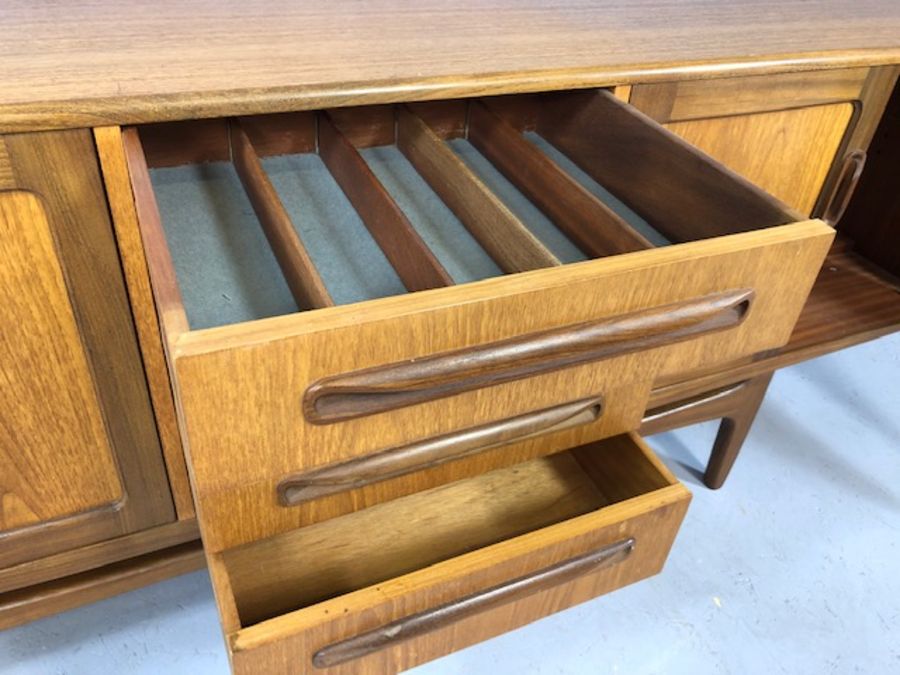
(385, 588)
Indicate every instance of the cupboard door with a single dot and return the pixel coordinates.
(787, 153)
(80, 459)
(791, 133)
(54, 451)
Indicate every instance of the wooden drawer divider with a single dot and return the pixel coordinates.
(299, 271)
(589, 223)
(416, 265)
(421, 136)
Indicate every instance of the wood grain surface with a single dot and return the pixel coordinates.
(447, 615)
(166, 292)
(55, 457)
(591, 224)
(499, 231)
(240, 386)
(296, 265)
(787, 132)
(851, 302)
(404, 459)
(702, 99)
(36, 602)
(396, 385)
(405, 535)
(111, 152)
(679, 190)
(7, 179)
(96, 62)
(786, 152)
(93, 556)
(415, 264)
(650, 513)
(870, 108)
(61, 167)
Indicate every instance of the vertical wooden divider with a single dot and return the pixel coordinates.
(169, 304)
(512, 246)
(588, 222)
(416, 265)
(299, 271)
(681, 192)
(120, 195)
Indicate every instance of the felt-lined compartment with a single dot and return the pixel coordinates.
(228, 273)
(366, 203)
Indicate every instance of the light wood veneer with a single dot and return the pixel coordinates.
(101, 62)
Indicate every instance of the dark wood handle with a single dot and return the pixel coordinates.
(433, 619)
(431, 452)
(851, 170)
(375, 390)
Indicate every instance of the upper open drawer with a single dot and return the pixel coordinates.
(305, 351)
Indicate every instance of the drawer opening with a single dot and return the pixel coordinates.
(269, 215)
(302, 567)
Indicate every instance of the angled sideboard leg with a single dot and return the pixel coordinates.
(736, 405)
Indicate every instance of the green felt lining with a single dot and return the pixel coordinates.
(228, 273)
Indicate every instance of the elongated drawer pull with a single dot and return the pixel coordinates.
(439, 617)
(375, 390)
(404, 459)
(845, 186)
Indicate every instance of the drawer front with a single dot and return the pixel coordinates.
(442, 608)
(395, 395)
(245, 391)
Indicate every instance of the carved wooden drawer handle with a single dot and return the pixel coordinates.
(404, 459)
(851, 170)
(375, 390)
(444, 615)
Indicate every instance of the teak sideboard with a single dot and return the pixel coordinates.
(378, 299)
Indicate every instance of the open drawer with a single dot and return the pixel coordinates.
(383, 589)
(361, 304)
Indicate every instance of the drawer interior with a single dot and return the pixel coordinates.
(274, 214)
(309, 565)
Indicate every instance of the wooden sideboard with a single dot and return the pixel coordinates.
(462, 354)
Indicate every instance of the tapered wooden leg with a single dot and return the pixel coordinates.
(736, 405)
(733, 431)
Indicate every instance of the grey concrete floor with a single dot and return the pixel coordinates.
(793, 566)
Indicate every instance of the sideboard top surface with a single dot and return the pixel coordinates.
(94, 62)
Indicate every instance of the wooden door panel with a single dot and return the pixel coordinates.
(80, 458)
(782, 131)
(55, 457)
(788, 153)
